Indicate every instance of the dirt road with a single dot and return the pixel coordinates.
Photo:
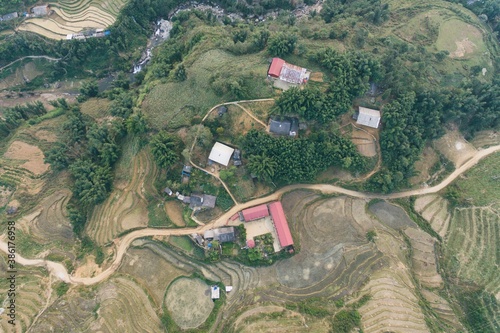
(30, 57)
(123, 243)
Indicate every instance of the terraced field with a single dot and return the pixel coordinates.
(434, 209)
(126, 207)
(472, 250)
(443, 309)
(125, 305)
(71, 16)
(33, 289)
(424, 261)
(48, 223)
(393, 301)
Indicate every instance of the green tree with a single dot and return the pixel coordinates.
(165, 149)
(262, 166)
(180, 73)
(89, 88)
(282, 44)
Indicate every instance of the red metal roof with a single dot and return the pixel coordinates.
(279, 219)
(255, 213)
(275, 68)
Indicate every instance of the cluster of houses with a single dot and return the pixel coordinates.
(272, 212)
(93, 33)
(37, 11)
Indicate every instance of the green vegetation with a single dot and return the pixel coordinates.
(370, 235)
(15, 116)
(293, 158)
(165, 149)
(345, 321)
(481, 185)
(61, 289)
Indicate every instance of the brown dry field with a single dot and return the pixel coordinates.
(33, 156)
(316, 77)
(96, 107)
(424, 258)
(455, 147)
(484, 139)
(427, 159)
(189, 303)
(174, 210)
(152, 271)
(434, 209)
(126, 306)
(364, 142)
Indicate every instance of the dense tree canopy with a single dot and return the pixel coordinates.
(165, 149)
(293, 160)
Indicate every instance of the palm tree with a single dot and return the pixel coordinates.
(262, 166)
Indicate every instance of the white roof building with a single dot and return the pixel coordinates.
(368, 117)
(221, 154)
(215, 292)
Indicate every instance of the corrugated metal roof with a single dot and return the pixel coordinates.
(275, 68)
(368, 117)
(255, 213)
(221, 153)
(281, 224)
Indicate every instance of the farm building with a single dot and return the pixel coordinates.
(255, 213)
(221, 154)
(286, 126)
(287, 72)
(222, 110)
(8, 17)
(223, 235)
(42, 10)
(368, 117)
(215, 292)
(202, 201)
(281, 224)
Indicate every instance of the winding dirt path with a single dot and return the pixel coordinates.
(123, 243)
(30, 57)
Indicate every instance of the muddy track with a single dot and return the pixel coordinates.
(124, 242)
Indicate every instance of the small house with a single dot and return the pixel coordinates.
(8, 17)
(186, 170)
(222, 235)
(222, 110)
(11, 210)
(287, 72)
(285, 126)
(221, 154)
(368, 117)
(197, 238)
(215, 292)
(167, 191)
(42, 10)
(198, 201)
(237, 157)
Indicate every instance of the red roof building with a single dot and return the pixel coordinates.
(250, 243)
(281, 224)
(276, 66)
(255, 213)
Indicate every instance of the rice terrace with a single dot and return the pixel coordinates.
(249, 166)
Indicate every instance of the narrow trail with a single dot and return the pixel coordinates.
(30, 57)
(123, 243)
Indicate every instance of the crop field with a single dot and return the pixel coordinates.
(424, 261)
(471, 252)
(151, 271)
(70, 314)
(481, 185)
(443, 309)
(261, 110)
(172, 105)
(189, 302)
(486, 139)
(434, 209)
(124, 304)
(174, 210)
(126, 207)
(365, 143)
(71, 16)
(95, 107)
(48, 223)
(32, 290)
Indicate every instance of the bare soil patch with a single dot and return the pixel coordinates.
(486, 138)
(364, 142)
(424, 258)
(151, 270)
(455, 148)
(392, 216)
(464, 46)
(423, 166)
(174, 212)
(33, 156)
(88, 269)
(316, 77)
(189, 302)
